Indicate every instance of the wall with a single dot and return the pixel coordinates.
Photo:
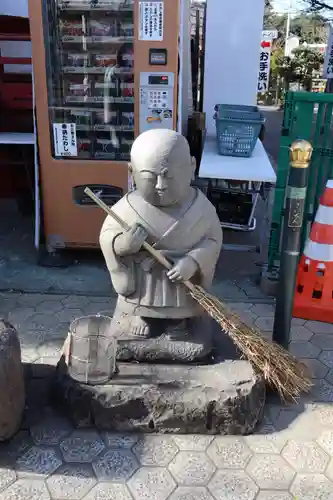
(233, 35)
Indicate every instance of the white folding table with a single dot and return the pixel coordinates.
(255, 171)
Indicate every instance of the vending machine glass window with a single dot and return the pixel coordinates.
(89, 52)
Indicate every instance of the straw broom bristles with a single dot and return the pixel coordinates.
(280, 369)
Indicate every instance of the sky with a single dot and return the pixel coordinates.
(283, 5)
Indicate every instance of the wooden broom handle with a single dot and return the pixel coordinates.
(155, 253)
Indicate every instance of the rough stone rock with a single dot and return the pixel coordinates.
(226, 397)
(12, 391)
(170, 341)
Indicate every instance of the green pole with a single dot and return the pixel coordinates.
(300, 156)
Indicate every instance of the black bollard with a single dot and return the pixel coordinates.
(300, 156)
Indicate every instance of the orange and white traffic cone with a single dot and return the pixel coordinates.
(314, 282)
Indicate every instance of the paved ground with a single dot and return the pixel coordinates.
(290, 456)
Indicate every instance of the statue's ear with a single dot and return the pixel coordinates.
(130, 168)
(193, 163)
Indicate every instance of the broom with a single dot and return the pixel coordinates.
(281, 370)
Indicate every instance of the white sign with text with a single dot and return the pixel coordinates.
(264, 66)
(64, 137)
(151, 25)
(328, 62)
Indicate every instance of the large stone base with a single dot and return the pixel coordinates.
(226, 397)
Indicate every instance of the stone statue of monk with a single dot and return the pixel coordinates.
(178, 220)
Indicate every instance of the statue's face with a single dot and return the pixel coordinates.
(164, 186)
(162, 167)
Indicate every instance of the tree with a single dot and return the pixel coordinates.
(299, 68)
(310, 28)
(269, 15)
(320, 5)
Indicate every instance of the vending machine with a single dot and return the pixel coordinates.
(105, 71)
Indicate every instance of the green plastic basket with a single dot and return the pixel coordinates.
(237, 129)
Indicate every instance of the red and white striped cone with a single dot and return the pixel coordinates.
(314, 284)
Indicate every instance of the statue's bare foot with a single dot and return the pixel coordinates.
(140, 327)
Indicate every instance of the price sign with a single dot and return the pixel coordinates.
(64, 136)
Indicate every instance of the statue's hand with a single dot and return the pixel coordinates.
(131, 241)
(184, 270)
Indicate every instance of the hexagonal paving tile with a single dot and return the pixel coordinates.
(151, 483)
(69, 315)
(229, 453)
(316, 368)
(232, 485)
(26, 489)
(274, 495)
(329, 471)
(115, 465)
(298, 321)
(319, 327)
(270, 472)
(51, 431)
(38, 461)
(323, 414)
(326, 441)
(8, 305)
(51, 348)
(324, 342)
(240, 306)
(193, 442)
(266, 310)
(100, 307)
(326, 357)
(305, 456)
(323, 391)
(18, 316)
(248, 317)
(155, 450)
(191, 493)
(119, 441)
(28, 355)
(42, 321)
(7, 477)
(32, 338)
(71, 482)
(300, 333)
(267, 440)
(75, 301)
(108, 491)
(82, 446)
(191, 468)
(49, 306)
(304, 349)
(329, 377)
(265, 324)
(14, 448)
(312, 487)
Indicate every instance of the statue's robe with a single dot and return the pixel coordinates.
(193, 230)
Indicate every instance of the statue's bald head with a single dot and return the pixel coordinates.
(156, 148)
(161, 161)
